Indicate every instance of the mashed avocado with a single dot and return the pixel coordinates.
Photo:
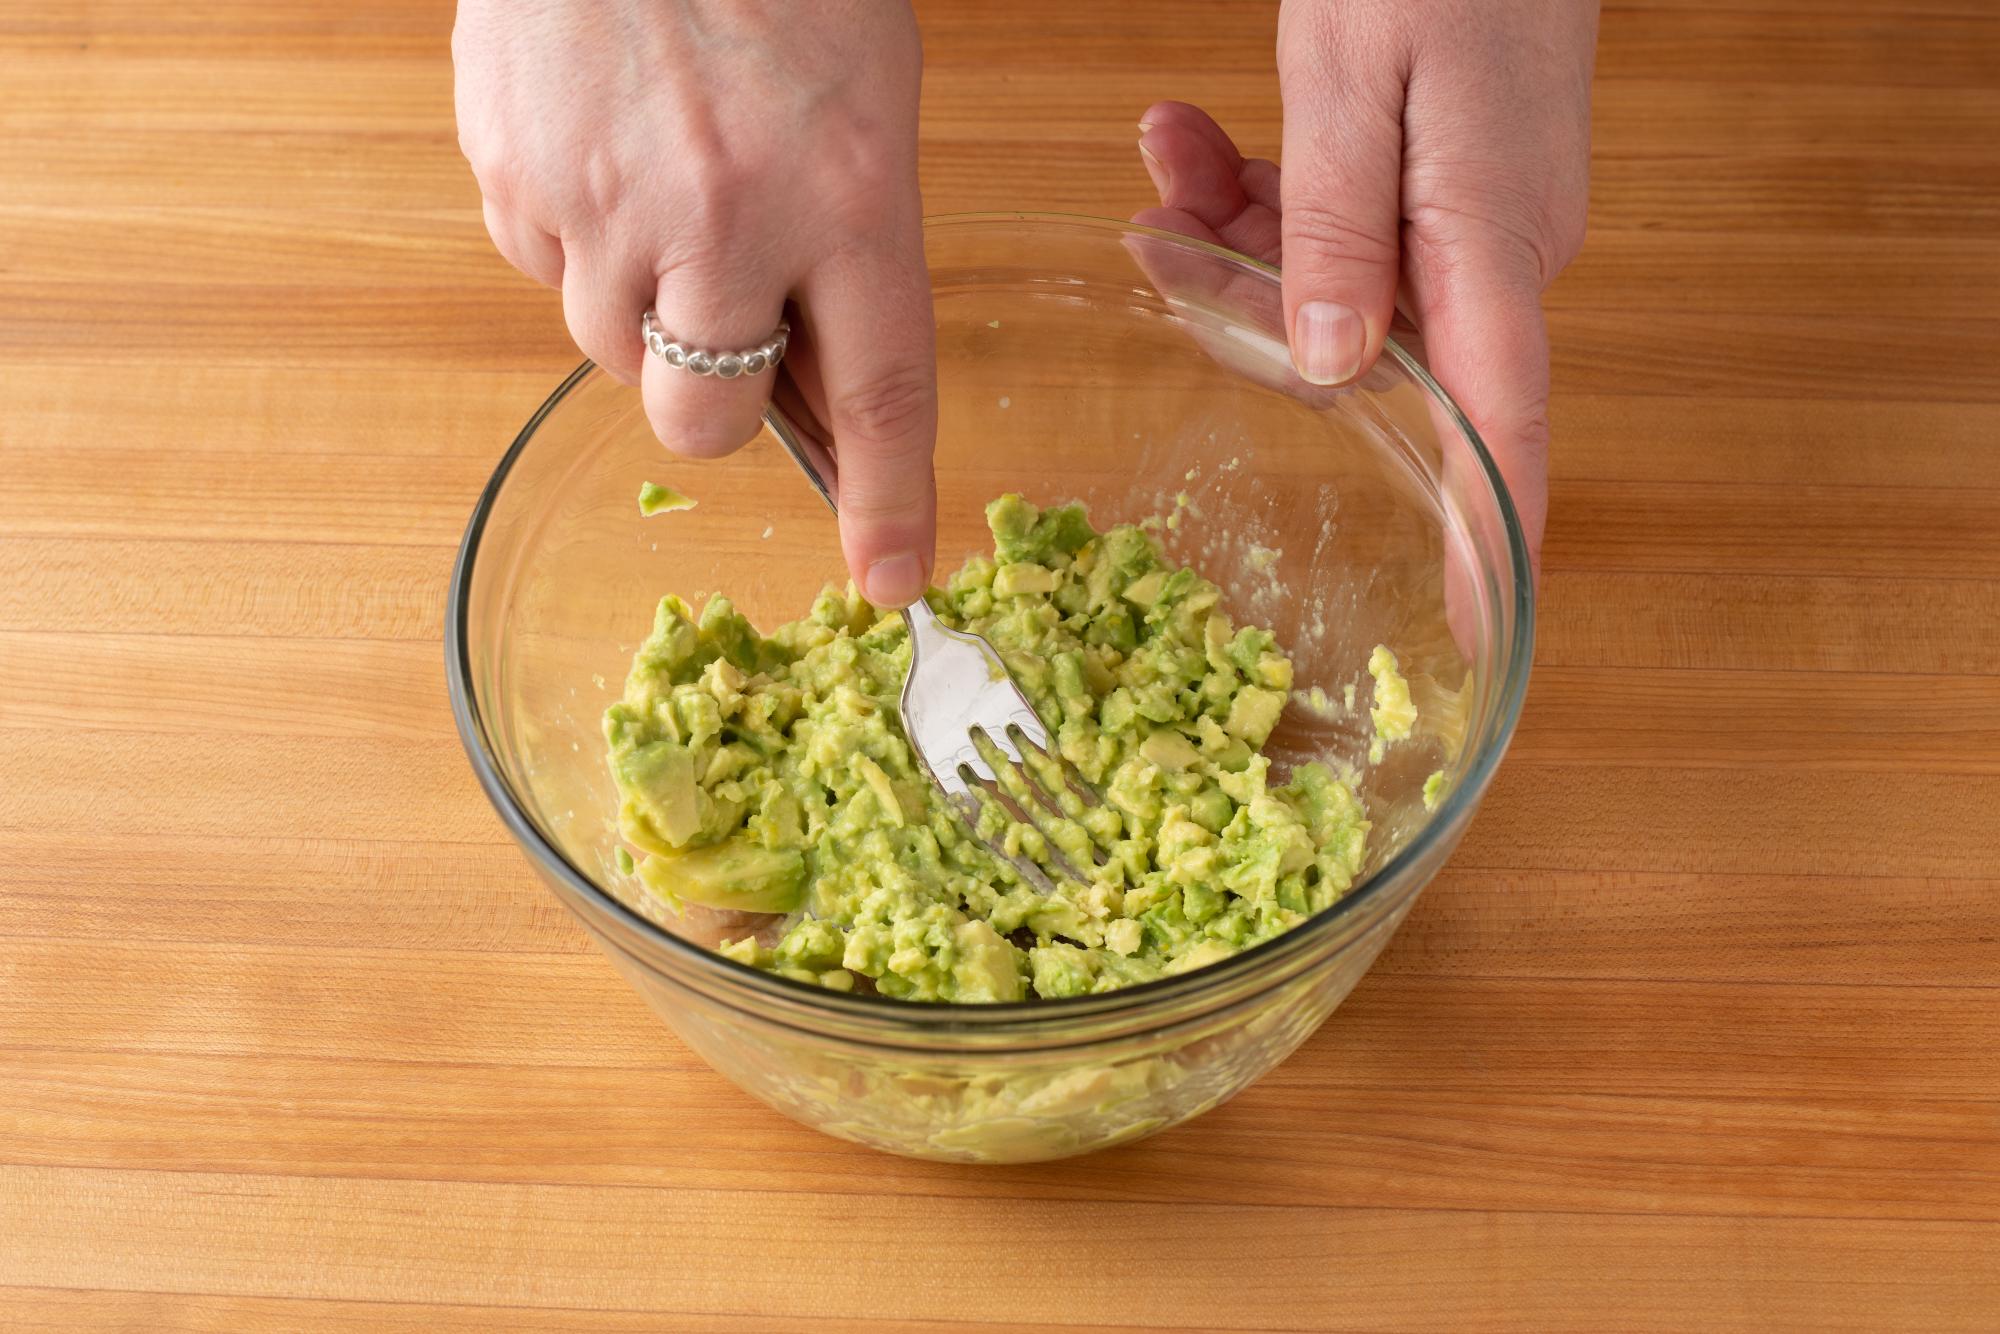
(1393, 713)
(769, 775)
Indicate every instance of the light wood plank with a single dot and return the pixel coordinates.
(28, 1308)
(415, 498)
(1800, 271)
(313, 591)
(223, 28)
(228, 246)
(1702, 11)
(1838, 45)
(1853, 929)
(1311, 1141)
(1455, 1034)
(197, 684)
(455, 413)
(271, 889)
(1798, 528)
(142, 166)
(1476, 921)
(441, 1005)
(1872, 195)
(1776, 357)
(426, 326)
(1768, 623)
(1727, 821)
(1412, 1270)
(138, 784)
(1724, 441)
(1771, 723)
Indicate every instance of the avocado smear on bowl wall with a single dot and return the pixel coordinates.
(767, 776)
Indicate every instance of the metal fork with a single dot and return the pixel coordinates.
(958, 693)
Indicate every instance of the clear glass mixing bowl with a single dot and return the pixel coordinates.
(1077, 359)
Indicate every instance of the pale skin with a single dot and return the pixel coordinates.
(630, 153)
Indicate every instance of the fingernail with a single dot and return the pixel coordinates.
(1145, 125)
(1157, 170)
(1326, 342)
(894, 581)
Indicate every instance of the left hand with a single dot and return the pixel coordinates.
(1437, 146)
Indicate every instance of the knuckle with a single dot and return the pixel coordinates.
(494, 216)
(892, 413)
(898, 500)
(718, 175)
(586, 309)
(1308, 36)
(1566, 231)
(1521, 450)
(711, 196)
(1327, 235)
(870, 164)
(1549, 235)
(1322, 44)
(1453, 238)
(590, 338)
(1442, 238)
(602, 182)
(1527, 436)
(862, 177)
(493, 165)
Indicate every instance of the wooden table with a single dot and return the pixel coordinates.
(1700, 1029)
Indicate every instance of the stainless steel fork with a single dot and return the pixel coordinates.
(959, 697)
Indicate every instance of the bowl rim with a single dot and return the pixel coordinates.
(1452, 812)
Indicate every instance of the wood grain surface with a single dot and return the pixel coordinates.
(1701, 1029)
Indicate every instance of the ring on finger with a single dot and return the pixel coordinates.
(723, 364)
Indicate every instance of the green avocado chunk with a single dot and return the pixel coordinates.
(768, 774)
(654, 499)
(735, 874)
(1392, 714)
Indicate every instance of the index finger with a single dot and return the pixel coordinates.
(873, 336)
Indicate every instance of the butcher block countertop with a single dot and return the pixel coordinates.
(1699, 1030)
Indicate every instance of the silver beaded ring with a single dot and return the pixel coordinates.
(706, 361)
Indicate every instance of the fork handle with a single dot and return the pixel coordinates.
(804, 436)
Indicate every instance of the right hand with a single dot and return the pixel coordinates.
(711, 160)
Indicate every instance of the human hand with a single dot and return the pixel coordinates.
(1436, 146)
(711, 161)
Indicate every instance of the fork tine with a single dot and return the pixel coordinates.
(1071, 778)
(1025, 775)
(1034, 781)
(975, 764)
(1037, 784)
(1055, 856)
(968, 810)
(1003, 740)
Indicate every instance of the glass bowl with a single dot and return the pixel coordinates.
(1077, 359)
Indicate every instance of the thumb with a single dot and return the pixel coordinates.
(1342, 196)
